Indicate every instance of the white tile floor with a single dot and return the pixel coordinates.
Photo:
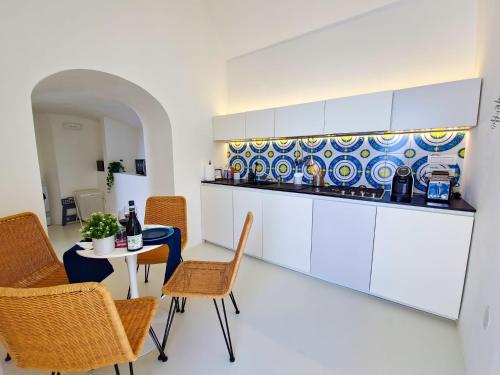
(289, 324)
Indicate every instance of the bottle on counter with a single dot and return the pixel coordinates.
(133, 230)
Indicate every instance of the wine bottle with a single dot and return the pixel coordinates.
(133, 229)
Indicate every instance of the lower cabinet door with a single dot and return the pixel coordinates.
(244, 202)
(286, 230)
(217, 215)
(420, 259)
(342, 243)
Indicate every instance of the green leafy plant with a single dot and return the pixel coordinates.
(100, 226)
(113, 167)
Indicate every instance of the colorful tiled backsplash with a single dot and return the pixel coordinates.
(350, 160)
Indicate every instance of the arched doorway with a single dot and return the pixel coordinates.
(84, 92)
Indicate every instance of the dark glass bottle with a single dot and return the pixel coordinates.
(133, 229)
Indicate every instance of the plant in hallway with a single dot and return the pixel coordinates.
(101, 228)
(113, 167)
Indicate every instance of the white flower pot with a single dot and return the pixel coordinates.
(104, 246)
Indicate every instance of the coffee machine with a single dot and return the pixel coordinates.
(402, 184)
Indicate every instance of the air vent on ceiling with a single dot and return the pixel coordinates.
(72, 126)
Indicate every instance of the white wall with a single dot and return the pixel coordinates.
(480, 316)
(246, 26)
(67, 157)
(122, 141)
(49, 175)
(405, 44)
(126, 187)
(166, 47)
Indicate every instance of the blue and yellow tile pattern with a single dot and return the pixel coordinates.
(349, 160)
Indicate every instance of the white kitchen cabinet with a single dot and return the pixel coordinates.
(450, 104)
(286, 233)
(217, 215)
(245, 201)
(300, 120)
(342, 243)
(229, 127)
(359, 114)
(420, 259)
(260, 124)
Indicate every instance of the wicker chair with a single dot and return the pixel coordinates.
(163, 210)
(207, 279)
(28, 259)
(75, 327)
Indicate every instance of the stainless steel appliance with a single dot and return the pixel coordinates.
(402, 184)
(439, 187)
(351, 191)
(318, 178)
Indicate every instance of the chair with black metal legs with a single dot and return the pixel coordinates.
(75, 327)
(164, 210)
(209, 280)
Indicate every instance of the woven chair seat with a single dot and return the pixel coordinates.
(75, 327)
(52, 275)
(136, 316)
(156, 256)
(200, 279)
(28, 259)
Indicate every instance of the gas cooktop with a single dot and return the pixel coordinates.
(343, 191)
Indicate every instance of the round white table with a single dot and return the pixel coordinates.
(131, 258)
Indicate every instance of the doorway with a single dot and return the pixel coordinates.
(87, 119)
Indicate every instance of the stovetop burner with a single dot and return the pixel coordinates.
(358, 191)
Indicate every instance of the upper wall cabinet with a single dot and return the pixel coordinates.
(300, 120)
(229, 127)
(260, 124)
(444, 105)
(359, 114)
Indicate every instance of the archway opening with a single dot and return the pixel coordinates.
(87, 119)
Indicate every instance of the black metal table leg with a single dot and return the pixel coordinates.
(117, 370)
(7, 357)
(131, 368)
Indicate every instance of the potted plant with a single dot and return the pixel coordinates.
(101, 228)
(113, 167)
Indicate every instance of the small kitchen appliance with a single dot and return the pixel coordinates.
(402, 184)
(318, 177)
(439, 187)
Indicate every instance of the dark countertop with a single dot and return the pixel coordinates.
(418, 200)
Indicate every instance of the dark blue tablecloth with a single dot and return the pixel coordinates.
(174, 255)
(80, 269)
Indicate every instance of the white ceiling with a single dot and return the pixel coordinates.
(245, 26)
(78, 94)
(85, 106)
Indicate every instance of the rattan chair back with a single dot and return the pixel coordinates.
(65, 328)
(242, 243)
(168, 210)
(25, 250)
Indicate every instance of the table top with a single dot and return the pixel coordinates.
(116, 253)
(119, 252)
